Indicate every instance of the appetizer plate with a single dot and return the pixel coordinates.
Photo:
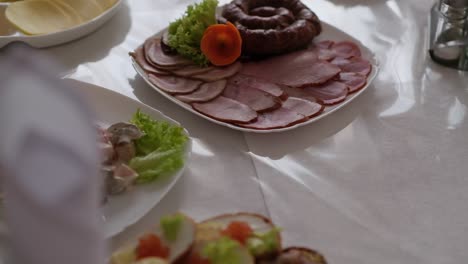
(124, 210)
(48, 40)
(329, 33)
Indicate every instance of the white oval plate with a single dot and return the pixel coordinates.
(48, 40)
(329, 33)
(124, 210)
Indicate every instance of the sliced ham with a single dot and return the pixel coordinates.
(303, 107)
(297, 69)
(191, 70)
(279, 118)
(354, 81)
(156, 56)
(218, 73)
(330, 93)
(256, 99)
(173, 84)
(227, 110)
(346, 50)
(355, 65)
(266, 86)
(139, 56)
(206, 92)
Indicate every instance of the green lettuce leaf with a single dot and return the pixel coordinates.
(222, 251)
(160, 152)
(185, 33)
(171, 225)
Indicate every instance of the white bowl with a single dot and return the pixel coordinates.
(56, 38)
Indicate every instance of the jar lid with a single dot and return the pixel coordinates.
(454, 9)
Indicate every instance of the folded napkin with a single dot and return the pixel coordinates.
(48, 166)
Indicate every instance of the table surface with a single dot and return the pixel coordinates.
(383, 179)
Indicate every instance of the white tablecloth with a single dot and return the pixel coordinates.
(383, 180)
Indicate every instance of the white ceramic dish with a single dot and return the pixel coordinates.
(48, 40)
(124, 210)
(329, 33)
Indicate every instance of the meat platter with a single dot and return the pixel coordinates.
(290, 89)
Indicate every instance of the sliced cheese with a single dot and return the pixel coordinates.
(106, 4)
(36, 17)
(86, 9)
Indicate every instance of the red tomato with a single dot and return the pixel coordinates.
(151, 246)
(239, 231)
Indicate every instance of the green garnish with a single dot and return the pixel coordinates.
(185, 33)
(260, 244)
(160, 151)
(222, 251)
(171, 225)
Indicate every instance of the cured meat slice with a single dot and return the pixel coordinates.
(156, 56)
(173, 84)
(256, 99)
(354, 81)
(356, 65)
(227, 110)
(325, 54)
(218, 73)
(293, 70)
(303, 107)
(279, 118)
(346, 50)
(276, 64)
(206, 92)
(266, 86)
(191, 70)
(318, 73)
(326, 44)
(139, 56)
(323, 50)
(330, 93)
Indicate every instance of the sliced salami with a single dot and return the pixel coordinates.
(303, 107)
(227, 110)
(156, 56)
(218, 73)
(355, 65)
(258, 100)
(346, 50)
(264, 85)
(206, 92)
(139, 56)
(279, 118)
(354, 81)
(174, 85)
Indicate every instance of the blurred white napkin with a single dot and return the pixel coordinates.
(49, 166)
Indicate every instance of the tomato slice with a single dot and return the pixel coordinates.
(239, 231)
(151, 246)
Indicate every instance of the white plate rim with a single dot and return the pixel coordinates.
(331, 109)
(174, 179)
